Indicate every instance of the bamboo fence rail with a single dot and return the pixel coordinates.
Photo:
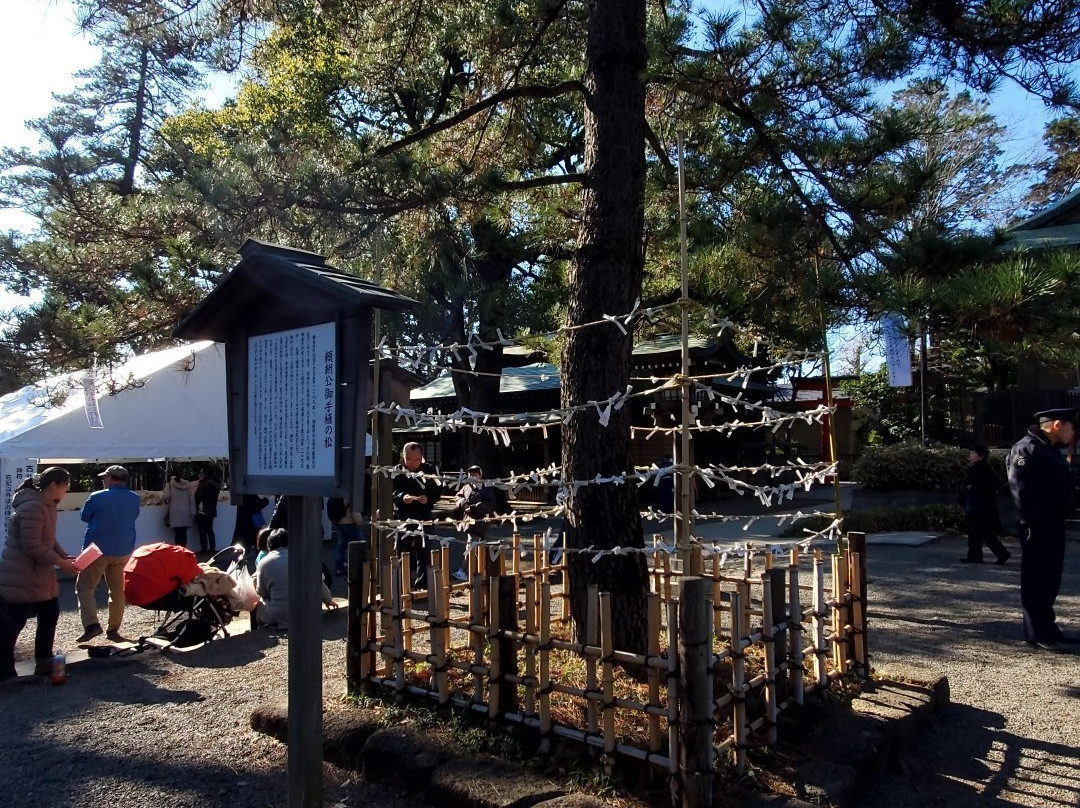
(500, 643)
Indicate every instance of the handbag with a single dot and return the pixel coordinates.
(167, 517)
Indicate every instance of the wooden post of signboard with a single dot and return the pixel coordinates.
(305, 652)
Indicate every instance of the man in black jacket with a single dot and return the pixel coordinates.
(1041, 484)
(417, 488)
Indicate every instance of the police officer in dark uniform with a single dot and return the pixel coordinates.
(417, 487)
(1042, 489)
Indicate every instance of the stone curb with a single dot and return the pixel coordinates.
(847, 750)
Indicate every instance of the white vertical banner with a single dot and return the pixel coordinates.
(93, 416)
(897, 351)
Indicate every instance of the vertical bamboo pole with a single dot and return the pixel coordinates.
(515, 553)
(748, 569)
(477, 620)
(684, 461)
(545, 668)
(778, 586)
(592, 639)
(768, 640)
(357, 639)
(697, 565)
(406, 600)
(673, 687)
(398, 580)
(540, 556)
(655, 564)
(607, 680)
(857, 582)
(820, 652)
(495, 653)
(695, 690)
(665, 571)
(436, 625)
(795, 635)
(839, 613)
(530, 648)
(653, 628)
(738, 681)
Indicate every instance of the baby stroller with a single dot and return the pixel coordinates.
(167, 578)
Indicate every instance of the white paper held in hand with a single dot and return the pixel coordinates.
(87, 557)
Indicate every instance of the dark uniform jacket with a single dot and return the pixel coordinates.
(425, 480)
(1040, 482)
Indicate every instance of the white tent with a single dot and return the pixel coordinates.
(165, 404)
(169, 404)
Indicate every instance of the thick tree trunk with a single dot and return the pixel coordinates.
(606, 279)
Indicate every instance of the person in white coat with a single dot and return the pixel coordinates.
(179, 498)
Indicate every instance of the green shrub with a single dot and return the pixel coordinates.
(887, 520)
(914, 467)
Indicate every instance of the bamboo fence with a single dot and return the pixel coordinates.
(728, 648)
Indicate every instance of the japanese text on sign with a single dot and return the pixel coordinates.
(292, 402)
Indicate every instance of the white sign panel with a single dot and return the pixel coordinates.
(897, 351)
(292, 402)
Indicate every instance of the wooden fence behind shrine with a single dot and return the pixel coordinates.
(728, 648)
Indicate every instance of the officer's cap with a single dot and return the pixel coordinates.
(1063, 414)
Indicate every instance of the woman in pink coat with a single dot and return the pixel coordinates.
(28, 586)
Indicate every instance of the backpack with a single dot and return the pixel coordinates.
(336, 509)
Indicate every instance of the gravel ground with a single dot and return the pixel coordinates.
(1011, 735)
(171, 730)
(157, 730)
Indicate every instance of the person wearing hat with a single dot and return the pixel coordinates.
(110, 516)
(1041, 484)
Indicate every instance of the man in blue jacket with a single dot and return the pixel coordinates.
(1041, 483)
(110, 516)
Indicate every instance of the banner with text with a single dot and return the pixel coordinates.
(897, 351)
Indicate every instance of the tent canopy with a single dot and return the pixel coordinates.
(166, 404)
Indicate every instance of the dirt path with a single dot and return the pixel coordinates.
(1011, 736)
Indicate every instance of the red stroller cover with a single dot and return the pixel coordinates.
(155, 570)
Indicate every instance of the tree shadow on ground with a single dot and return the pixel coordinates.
(968, 760)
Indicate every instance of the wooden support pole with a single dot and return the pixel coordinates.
(778, 595)
(840, 613)
(531, 629)
(607, 681)
(592, 639)
(696, 721)
(357, 664)
(768, 640)
(305, 652)
(857, 580)
(738, 682)
(821, 678)
(795, 636)
(544, 677)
